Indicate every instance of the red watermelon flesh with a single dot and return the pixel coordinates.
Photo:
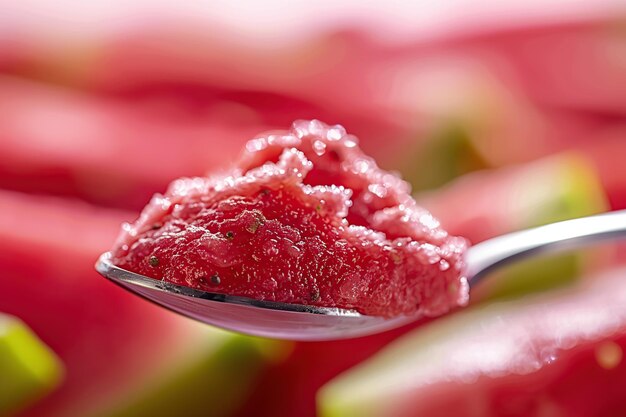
(48, 250)
(59, 141)
(307, 219)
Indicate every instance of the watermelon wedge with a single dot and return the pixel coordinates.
(548, 190)
(118, 350)
(556, 355)
(110, 152)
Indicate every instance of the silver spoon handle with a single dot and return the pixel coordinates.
(490, 254)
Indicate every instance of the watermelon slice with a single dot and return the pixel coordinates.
(28, 368)
(539, 192)
(552, 189)
(322, 226)
(560, 355)
(118, 350)
(63, 142)
(215, 377)
(121, 165)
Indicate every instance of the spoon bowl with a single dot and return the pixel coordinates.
(304, 322)
(247, 315)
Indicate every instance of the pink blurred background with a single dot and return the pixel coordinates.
(502, 115)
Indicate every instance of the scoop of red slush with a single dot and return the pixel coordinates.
(304, 218)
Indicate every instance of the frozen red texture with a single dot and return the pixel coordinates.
(305, 218)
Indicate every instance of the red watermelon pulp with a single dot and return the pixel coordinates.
(307, 218)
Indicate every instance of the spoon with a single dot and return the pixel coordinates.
(303, 322)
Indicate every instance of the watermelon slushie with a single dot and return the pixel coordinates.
(305, 217)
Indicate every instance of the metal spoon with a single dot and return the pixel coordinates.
(302, 322)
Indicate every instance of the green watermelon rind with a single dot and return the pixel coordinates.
(28, 368)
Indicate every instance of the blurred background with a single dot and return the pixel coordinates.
(502, 114)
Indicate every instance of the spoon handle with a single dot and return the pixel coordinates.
(490, 254)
